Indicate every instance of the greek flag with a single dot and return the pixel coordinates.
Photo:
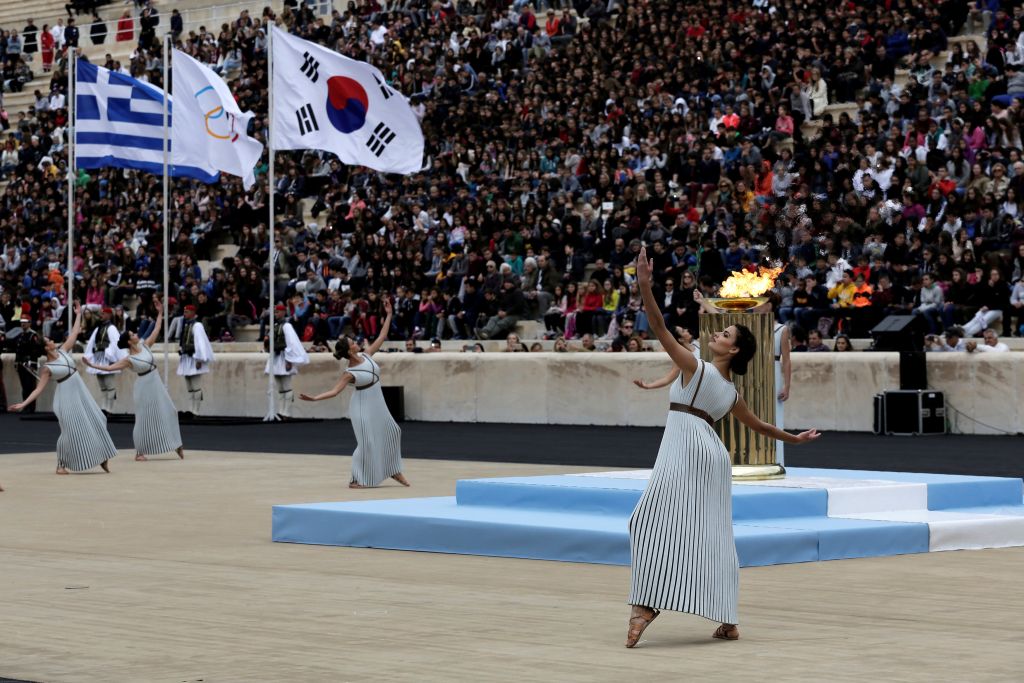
(119, 123)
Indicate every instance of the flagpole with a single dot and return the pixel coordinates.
(71, 186)
(167, 238)
(271, 403)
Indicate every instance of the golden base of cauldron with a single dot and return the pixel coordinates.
(737, 305)
(758, 472)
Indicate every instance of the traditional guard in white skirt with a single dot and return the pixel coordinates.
(286, 355)
(102, 349)
(194, 357)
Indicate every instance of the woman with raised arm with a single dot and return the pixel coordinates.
(156, 418)
(680, 534)
(83, 442)
(378, 453)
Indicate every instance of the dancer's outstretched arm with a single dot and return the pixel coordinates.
(744, 415)
(680, 356)
(44, 379)
(389, 309)
(113, 367)
(69, 343)
(337, 389)
(157, 327)
(659, 383)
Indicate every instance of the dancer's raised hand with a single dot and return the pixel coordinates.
(644, 267)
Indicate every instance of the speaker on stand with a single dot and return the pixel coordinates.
(905, 335)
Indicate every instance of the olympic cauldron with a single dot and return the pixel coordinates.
(753, 455)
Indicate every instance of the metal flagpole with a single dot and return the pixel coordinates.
(166, 188)
(71, 186)
(271, 403)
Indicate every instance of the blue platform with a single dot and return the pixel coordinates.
(812, 515)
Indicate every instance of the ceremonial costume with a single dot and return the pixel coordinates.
(680, 534)
(194, 357)
(102, 350)
(83, 442)
(286, 355)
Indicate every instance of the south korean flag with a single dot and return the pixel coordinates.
(324, 100)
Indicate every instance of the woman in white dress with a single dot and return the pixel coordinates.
(378, 453)
(783, 376)
(84, 442)
(156, 418)
(681, 538)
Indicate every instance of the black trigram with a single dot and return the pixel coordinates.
(307, 120)
(310, 67)
(380, 139)
(385, 90)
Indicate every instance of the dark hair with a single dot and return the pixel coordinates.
(341, 347)
(746, 347)
(123, 341)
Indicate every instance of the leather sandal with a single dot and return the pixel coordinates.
(725, 632)
(637, 629)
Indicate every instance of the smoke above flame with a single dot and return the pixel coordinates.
(746, 284)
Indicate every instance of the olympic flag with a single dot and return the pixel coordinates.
(208, 129)
(324, 100)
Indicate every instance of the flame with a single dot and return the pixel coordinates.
(747, 284)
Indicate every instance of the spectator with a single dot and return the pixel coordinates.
(815, 341)
(990, 345)
(953, 341)
(842, 343)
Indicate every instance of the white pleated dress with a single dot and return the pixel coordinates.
(84, 442)
(156, 418)
(378, 454)
(780, 406)
(680, 534)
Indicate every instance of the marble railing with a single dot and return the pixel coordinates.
(830, 391)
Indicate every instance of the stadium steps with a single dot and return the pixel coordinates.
(902, 78)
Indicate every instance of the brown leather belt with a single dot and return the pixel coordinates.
(365, 387)
(682, 408)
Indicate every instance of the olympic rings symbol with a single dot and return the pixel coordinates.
(218, 113)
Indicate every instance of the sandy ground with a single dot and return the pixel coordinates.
(164, 571)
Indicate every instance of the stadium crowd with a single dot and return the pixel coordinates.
(560, 139)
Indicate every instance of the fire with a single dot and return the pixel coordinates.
(747, 284)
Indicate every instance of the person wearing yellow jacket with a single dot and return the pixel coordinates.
(842, 294)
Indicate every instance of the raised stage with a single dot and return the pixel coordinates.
(813, 514)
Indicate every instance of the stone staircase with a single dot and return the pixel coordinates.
(810, 129)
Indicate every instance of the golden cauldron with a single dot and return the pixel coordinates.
(753, 455)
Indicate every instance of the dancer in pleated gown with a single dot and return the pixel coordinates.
(378, 453)
(680, 534)
(156, 418)
(84, 442)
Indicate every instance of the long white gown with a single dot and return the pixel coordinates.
(156, 418)
(378, 453)
(780, 406)
(84, 441)
(680, 533)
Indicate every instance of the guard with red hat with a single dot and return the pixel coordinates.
(286, 355)
(194, 356)
(102, 350)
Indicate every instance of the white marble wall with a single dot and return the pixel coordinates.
(830, 391)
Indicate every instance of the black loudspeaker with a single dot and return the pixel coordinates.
(394, 398)
(899, 333)
(913, 370)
